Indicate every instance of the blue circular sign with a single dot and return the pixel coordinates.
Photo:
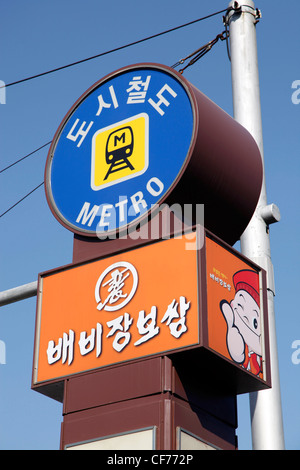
(120, 150)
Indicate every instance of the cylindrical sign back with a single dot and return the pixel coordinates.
(224, 171)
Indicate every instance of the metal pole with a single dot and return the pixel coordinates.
(265, 406)
(18, 293)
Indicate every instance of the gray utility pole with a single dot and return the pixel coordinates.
(18, 293)
(265, 406)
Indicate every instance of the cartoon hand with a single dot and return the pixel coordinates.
(235, 341)
(227, 313)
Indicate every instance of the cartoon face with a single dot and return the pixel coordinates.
(247, 319)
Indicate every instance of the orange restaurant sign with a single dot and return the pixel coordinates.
(124, 307)
(149, 301)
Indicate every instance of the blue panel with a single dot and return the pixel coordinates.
(166, 112)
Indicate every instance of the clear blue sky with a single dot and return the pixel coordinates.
(37, 36)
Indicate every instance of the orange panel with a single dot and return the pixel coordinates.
(131, 305)
(234, 306)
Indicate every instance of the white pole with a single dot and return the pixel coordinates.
(265, 406)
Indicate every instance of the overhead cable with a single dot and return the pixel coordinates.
(20, 200)
(23, 158)
(115, 49)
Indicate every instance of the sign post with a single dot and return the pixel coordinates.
(142, 337)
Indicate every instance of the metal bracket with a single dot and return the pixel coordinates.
(236, 8)
(270, 214)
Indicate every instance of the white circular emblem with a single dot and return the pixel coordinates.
(116, 286)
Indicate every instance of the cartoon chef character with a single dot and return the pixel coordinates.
(242, 316)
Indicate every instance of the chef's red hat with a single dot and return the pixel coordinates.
(247, 280)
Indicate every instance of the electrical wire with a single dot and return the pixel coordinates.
(116, 49)
(23, 158)
(20, 200)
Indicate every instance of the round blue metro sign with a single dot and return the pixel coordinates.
(120, 150)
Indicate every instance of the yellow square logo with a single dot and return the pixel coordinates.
(120, 151)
